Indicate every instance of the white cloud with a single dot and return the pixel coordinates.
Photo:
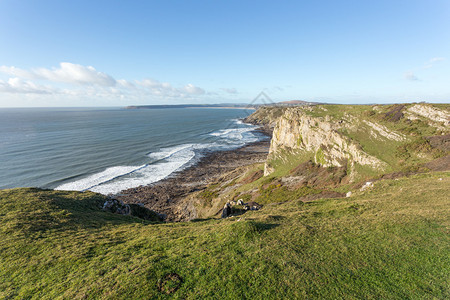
(230, 90)
(86, 82)
(67, 73)
(193, 90)
(151, 83)
(124, 83)
(17, 72)
(19, 86)
(166, 89)
(433, 61)
(411, 77)
(73, 73)
(436, 59)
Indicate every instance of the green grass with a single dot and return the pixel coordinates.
(389, 242)
(277, 194)
(286, 160)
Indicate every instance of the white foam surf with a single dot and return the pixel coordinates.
(98, 178)
(115, 179)
(162, 163)
(236, 135)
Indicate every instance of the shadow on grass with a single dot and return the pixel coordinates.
(35, 211)
(265, 226)
(201, 220)
(249, 229)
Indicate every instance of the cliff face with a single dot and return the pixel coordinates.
(297, 130)
(352, 136)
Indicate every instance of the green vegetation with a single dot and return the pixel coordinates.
(285, 161)
(418, 145)
(277, 193)
(320, 157)
(389, 242)
(209, 193)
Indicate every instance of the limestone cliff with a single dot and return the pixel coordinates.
(295, 129)
(352, 136)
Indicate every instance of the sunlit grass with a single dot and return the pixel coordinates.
(388, 242)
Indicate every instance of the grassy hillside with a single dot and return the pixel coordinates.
(390, 241)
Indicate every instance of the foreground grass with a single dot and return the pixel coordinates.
(389, 242)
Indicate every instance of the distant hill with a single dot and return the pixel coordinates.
(225, 105)
(298, 102)
(220, 105)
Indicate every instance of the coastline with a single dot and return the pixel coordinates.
(165, 196)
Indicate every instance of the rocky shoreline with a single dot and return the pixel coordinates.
(166, 196)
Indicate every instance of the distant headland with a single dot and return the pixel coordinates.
(225, 105)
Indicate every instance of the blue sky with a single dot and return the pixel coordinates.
(115, 53)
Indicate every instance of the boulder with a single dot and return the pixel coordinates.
(367, 185)
(137, 210)
(252, 206)
(226, 211)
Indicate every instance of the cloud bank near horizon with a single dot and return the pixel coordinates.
(85, 81)
(70, 84)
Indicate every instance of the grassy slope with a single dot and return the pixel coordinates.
(389, 242)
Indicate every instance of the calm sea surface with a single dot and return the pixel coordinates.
(108, 150)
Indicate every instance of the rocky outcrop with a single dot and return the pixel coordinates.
(435, 117)
(252, 206)
(378, 130)
(297, 130)
(432, 113)
(226, 211)
(265, 116)
(136, 210)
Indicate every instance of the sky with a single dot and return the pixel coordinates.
(117, 53)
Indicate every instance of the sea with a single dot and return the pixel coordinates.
(107, 150)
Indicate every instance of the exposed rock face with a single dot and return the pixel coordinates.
(433, 116)
(297, 130)
(432, 113)
(380, 130)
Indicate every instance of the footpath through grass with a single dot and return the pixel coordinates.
(388, 242)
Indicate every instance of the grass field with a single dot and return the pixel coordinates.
(389, 242)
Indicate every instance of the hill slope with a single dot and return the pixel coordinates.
(388, 242)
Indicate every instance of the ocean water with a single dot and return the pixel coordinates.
(109, 150)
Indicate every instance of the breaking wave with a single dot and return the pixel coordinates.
(163, 163)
